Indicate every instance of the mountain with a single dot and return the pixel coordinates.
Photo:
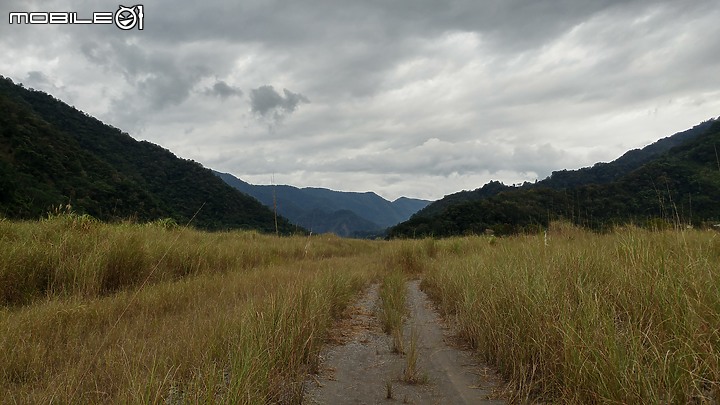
(600, 173)
(53, 154)
(322, 210)
(341, 222)
(675, 180)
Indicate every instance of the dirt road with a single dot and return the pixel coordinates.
(360, 368)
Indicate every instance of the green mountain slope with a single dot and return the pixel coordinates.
(680, 184)
(52, 154)
(322, 210)
(600, 173)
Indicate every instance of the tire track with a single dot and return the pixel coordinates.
(359, 367)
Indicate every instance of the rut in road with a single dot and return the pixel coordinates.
(362, 368)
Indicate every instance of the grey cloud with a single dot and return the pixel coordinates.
(38, 80)
(352, 44)
(292, 100)
(154, 80)
(423, 88)
(289, 23)
(36, 76)
(433, 156)
(540, 159)
(93, 52)
(223, 90)
(153, 93)
(267, 103)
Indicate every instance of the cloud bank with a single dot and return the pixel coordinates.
(409, 97)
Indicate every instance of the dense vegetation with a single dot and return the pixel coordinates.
(680, 185)
(133, 313)
(576, 317)
(52, 154)
(321, 210)
(629, 316)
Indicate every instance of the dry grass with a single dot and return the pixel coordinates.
(70, 255)
(627, 317)
(225, 318)
(401, 259)
(392, 307)
(411, 373)
(128, 313)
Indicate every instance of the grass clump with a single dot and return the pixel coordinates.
(388, 390)
(393, 308)
(411, 373)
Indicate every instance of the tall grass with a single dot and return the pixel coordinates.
(71, 255)
(627, 317)
(227, 317)
(400, 259)
(411, 373)
(128, 313)
(409, 256)
(393, 308)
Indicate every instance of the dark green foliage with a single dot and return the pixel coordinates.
(488, 190)
(52, 154)
(678, 184)
(600, 173)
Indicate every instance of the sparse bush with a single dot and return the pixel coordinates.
(166, 223)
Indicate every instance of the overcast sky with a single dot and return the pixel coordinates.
(420, 98)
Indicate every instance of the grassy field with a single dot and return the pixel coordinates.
(627, 317)
(97, 313)
(131, 313)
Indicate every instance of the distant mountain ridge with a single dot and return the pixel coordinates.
(323, 210)
(53, 154)
(675, 180)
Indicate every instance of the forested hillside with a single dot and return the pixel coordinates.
(600, 173)
(675, 182)
(52, 154)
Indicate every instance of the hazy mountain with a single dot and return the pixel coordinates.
(322, 210)
(53, 154)
(676, 179)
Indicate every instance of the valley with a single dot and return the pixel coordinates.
(130, 275)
